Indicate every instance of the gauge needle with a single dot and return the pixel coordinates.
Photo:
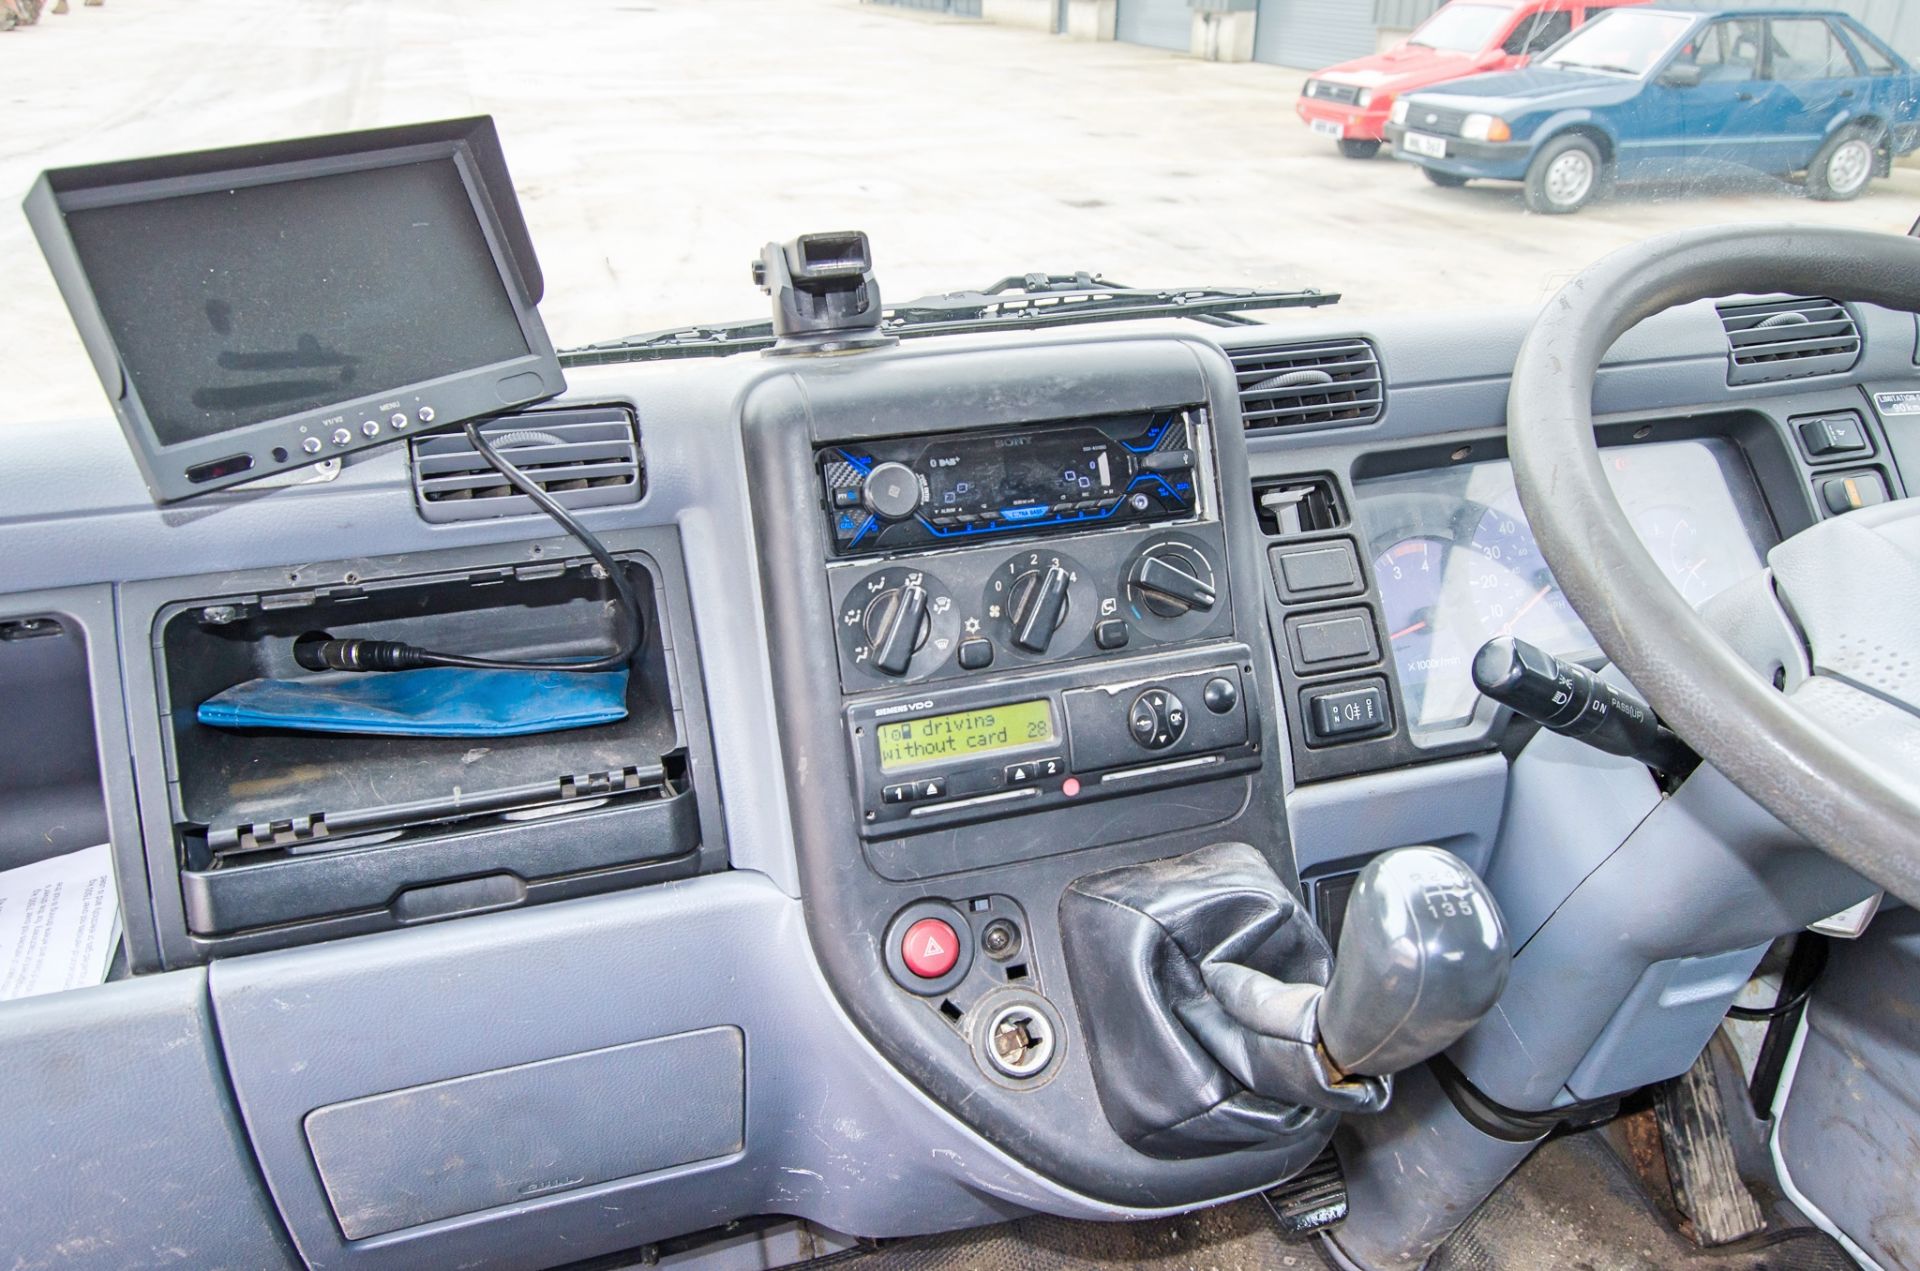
(1514, 621)
(1406, 631)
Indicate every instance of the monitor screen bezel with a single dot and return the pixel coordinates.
(192, 467)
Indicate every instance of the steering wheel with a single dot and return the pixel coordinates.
(1835, 752)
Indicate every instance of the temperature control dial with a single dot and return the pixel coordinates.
(897, 622)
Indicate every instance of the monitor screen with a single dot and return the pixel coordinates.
(239, 305)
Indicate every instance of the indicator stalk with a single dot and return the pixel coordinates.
(1574, 702)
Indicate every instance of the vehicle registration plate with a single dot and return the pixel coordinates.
(1328, 128)
(1420, 143)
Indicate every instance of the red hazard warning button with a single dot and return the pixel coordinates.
(930, 948)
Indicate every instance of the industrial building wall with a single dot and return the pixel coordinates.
(1308, 33)
(1895, 21)
(960, 8)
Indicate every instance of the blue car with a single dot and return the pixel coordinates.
(1652, 92)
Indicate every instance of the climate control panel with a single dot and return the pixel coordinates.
(962, 614)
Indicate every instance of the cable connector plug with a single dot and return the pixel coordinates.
(318, 651)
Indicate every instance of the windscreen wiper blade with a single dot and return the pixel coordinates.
(1018, 303)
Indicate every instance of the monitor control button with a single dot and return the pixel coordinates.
(371, 428)
(341, 436)
(311, 445)
(425, 414)
(399, 419)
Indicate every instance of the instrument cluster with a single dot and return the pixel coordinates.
(1457, 565)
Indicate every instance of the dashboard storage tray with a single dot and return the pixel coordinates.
(419, 876)
(275, 827)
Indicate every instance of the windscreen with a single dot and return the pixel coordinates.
(1620, 43)
(237, 306)
(1463, 28)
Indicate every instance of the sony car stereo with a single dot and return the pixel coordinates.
(960, 488)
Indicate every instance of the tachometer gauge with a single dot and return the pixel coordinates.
(1410, 573)
(1413, 578)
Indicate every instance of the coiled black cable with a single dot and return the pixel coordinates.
(1789, 1001)
(318, 651)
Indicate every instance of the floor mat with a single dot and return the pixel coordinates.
(1574, 1205)
(1236, 1237)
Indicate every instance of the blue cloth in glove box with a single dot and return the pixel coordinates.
(433, 701)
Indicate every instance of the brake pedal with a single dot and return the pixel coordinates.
(1313, 1200)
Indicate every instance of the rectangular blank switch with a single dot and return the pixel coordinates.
(1344, 637)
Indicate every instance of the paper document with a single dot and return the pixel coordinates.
(59, 923)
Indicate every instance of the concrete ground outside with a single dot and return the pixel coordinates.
(658, 143)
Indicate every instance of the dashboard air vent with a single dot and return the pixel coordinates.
(585, 458)
(1786, 338)
(1308, 385)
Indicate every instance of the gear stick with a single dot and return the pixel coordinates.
(1423, 956)
(1199, 982)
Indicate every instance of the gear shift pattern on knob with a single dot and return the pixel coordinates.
(1423, 956)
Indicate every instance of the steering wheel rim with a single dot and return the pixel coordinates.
(1851, 808)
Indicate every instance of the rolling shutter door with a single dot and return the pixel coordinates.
(1310, 34)
(1163, 24)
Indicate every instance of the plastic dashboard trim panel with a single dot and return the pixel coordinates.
(1059, 1129)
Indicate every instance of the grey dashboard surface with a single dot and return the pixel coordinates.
(515, 988)
(76, 510)
(120, 1146)
(829, 1131)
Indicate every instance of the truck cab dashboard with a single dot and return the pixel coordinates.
(936, 633)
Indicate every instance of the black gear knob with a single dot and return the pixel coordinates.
(1423, 956)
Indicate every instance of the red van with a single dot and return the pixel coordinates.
(1348, 103)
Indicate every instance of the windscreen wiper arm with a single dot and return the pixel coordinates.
(1018, 303)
